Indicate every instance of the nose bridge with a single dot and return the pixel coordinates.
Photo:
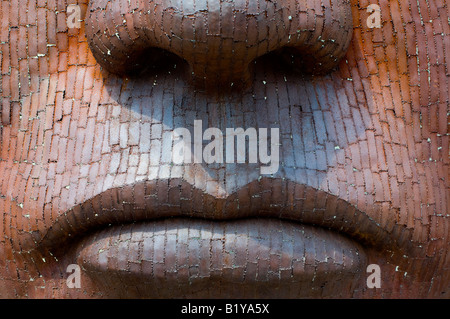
(217, 38)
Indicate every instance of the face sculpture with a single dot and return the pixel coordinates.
(358, 116)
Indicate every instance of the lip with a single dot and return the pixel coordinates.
(182, 256)
(263, 198)
(312, 217)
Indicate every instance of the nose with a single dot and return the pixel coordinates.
(218, 38)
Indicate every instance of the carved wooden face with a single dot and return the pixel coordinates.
(317, 144)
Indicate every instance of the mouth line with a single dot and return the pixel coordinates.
(168, 198)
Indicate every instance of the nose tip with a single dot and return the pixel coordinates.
(218, 38)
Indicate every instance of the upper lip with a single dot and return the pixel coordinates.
(266, 197)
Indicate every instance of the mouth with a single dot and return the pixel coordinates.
(166, 238)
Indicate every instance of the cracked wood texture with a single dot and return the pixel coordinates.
(87, 116)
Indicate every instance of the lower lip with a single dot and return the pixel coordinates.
(194, 257)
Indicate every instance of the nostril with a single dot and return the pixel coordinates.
(140, 62)
(218, 38)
